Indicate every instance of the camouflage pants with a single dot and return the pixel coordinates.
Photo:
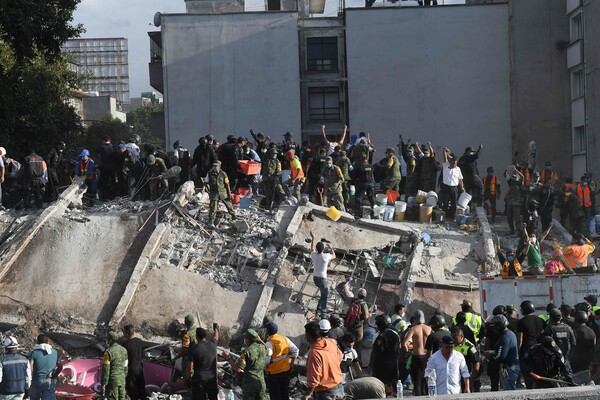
(116, 392)
(214, 206)
(335, 198)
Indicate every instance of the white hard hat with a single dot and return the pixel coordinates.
(10, 342)
(2, 151)
(324, 325)
(362, 292)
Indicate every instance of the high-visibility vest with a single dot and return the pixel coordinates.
(584, 194)
(473, 321)
(569, 187)
(544, 317)
(506, 266)
(552, 177)
(464, 347)
(279, 359)
(296, 167)
(493, 184)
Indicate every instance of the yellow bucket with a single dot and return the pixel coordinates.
(333, 213)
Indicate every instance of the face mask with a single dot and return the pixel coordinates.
(215, 168)
(510, 258)
(533, 240)
(210, 142)
(274, 156)
(329, 165)
(348, 349)
(584, 183)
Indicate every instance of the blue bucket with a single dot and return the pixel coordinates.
(245, 201)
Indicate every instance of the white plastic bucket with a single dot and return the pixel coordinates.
(381, 199)
(286, 175)
(431, 199)
(464, 200)
(378, 211)
(400, 206)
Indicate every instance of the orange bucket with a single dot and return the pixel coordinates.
(392, 196)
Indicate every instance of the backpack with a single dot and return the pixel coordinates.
(36, 167)
(353, 316)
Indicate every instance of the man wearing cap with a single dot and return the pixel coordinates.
(449, 366)
(548, 175)
(282, 353)
(15, 372)
(392, 171)
(202, 360)
(87, 168)
(114, 369)
(53, 163)
(289, 143)
(578, 252)
(188, 335)
(271, 173)
(545, 360)
(323, 371)
(252, 364)
(219, 191)
(45, 365)
(333, 180)
(156, 182)
(357, 316)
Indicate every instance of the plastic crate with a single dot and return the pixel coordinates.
(249, 167)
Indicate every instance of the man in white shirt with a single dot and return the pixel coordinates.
(320, 259)
(452, 184)
(449, 365)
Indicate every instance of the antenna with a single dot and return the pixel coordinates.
(157, 19)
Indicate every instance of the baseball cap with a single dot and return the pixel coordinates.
(447, 340)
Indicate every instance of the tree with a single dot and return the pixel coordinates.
(108, 126)
(139, 120)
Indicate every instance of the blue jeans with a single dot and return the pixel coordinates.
(323, 287)
(508, 377)
(336, 392)
(42, 390)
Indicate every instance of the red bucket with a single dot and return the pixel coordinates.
(72, 392)
(235, 199)
(243, 192)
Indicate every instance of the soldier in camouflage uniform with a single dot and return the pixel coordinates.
(393, 177)
(114, 369)
(272, 178)
(252, 363)
(188, 335)
(345, 165)
(157, 168)
(333, 178)
(219, 190)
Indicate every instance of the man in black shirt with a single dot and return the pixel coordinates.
(585, 340)
(529, 329)
(440, 329)
(135, 383)
(511, 316)
(384, 357)
(202, 359)
(108, 169)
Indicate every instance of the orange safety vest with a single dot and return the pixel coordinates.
(584, 194)
(279, 359)
(569, 187)
(493, 184)
(506, 268)
(552, 177)
(296, 167)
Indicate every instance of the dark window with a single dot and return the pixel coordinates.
(322, 54)
(324, 104)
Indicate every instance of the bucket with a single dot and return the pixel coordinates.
(388, 213)
(464, 200)
(425, 213)
(400, 210)
(244, 191)
(333, 213)
(431, 199)
(286, 174)
(411, 200)
(245, 201)
(392, 196)
(72, 392)
(235, 199)
(378, 211)
(420, 197)
(381, 199)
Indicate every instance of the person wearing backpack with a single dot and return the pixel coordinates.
(34, 179)
(356, 317)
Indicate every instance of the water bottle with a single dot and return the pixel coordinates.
(399, 390)
(431, 385)
(230, 395)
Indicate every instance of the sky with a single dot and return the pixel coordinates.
(132, 19)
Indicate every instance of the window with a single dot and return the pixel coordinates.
(322, 54)
(576, 27)
(324, 104)
(577, 84)
(579, 140)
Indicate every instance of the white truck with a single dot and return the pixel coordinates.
(541, 290)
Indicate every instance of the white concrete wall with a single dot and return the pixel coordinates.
(438, 74)
(225, 74)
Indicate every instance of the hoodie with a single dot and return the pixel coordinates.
(323, 365)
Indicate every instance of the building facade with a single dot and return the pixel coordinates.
(105, 63)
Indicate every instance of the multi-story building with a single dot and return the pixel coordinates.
(105, 64)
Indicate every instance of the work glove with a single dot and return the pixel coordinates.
(215, 326)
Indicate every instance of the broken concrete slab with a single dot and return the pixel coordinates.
(492, 265)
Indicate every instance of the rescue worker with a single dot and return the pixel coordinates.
(548, 176)
(440, 329)
(294, 184)
(392, 171)
(529, 329)
(427, 168)
(333, 179)
(129, 171)
(271, 178)
(182, 159)
(410, 187)
(546, 199)
(15, 371)
(578, 252)
(511, 265)
(107, 166)
(546, 316)
(229, 153)
(545, 360)
(491, 190)
(279, 362)
(188, 335)
(158, 185)
(514, 200)
(384, 356)
(586, 198)
(593, 300)
(252, 364)
(53, 163)
(468, 165)
(345, 166)
(219, 191)
(362, 149)
(561, 333)
(469, 351)
(33, 179)
(114, 369)
(203, 158)
(472, 319)
(87, 167)
(202, 360)
(460, 320)
(505, 353)
(569, 207)
(357, 316)
(135, 383)
(362, 176)
(585, 339)
(45, 365)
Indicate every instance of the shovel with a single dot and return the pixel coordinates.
(171, 173)
(543, 378)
